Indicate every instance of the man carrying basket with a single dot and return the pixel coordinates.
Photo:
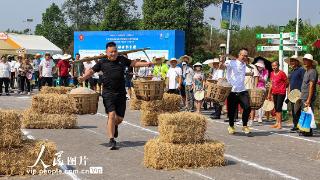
(114, 92)
(236, 71)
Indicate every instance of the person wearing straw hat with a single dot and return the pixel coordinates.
(35, 63)
(114, 91)
(63, 69)
(236, 72)
(251, 81)
(144, 71)
(160, 68)
(46, 70)
(261, 84)
(279, 83)
(174, 76)
(215, 74)
(186, 60)
(198, 85)
(308, 87)
(187, 74)
(295, 82)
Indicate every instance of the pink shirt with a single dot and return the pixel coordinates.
(263, 76)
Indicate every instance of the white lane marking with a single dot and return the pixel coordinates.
(72, 175)
(134, 125)
(286, 176)
(198, 174)
(271, 132)
(226, 155)
(102, 135)
(155, 132)
(24, 97)
(63, 167)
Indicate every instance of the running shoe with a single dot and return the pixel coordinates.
(231, 130)
(112, 144)
(246, 130)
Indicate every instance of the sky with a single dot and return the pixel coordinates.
(14, 13)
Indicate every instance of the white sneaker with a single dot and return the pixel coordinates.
(29, 93)
(250, 122)
(239, 123)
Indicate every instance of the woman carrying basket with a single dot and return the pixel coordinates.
(198, 85)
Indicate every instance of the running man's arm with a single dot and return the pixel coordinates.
(88, 73)
(140, 64)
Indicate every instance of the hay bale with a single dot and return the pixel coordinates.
(35, 120)
(149, 118)
(53, 104)
(161, 155)
(55, 90)
(10, 128)
(15, 161)
(135, 104)
(171, 102)
(155, 105)
(182, 127)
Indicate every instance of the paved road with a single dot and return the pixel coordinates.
(270, 154)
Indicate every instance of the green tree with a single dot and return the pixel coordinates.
(80, 13)
(54, 27)
(120, 15)
(187, 15)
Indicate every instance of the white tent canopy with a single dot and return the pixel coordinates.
(33, 44)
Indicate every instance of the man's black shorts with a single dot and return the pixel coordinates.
(115, 102)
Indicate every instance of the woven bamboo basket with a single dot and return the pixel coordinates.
(148, 90)
(216, 93)
(257, 97)
(86, 103)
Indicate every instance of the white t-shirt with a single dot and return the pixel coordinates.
(12, 65)
(217, 74)
(47, 66)
(250, 74)
(4, 70)
(16, 67)
(90, 65)
(172, 75)
(236, 72)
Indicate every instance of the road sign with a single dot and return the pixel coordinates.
(289, 35)
(295, 48)
(275, 36)
(285, 48)
(268, 36)
(268, 48)
(286, 42)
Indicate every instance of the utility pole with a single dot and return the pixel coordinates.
(211, 30)
(297, 25)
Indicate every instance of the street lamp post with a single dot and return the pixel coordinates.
(297, 25)
(211, 30)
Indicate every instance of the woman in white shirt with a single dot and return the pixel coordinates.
(4, 75)
(174, 76)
